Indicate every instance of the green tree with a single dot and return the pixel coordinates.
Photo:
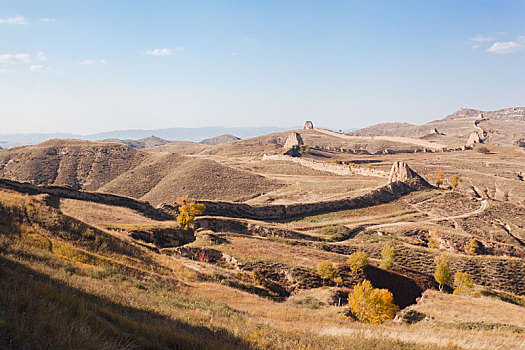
(188, 209)
(442, 274)
(326, 270)
(463, 283)
(371, 305)
(357, 261)
(388, 254)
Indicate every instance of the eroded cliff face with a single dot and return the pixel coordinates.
(79, 164)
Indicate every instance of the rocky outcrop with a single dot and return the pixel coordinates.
(308, 125)
(293, 140)
(292, 145)
(473, 139)
(401, 172)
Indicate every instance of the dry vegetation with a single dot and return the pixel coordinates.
(249, 284)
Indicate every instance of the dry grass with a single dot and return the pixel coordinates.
(446, 308)
(103, 215)
(110, 299)
(249, 249)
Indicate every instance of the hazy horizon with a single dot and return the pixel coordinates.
(88, 67)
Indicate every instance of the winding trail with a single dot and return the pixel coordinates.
(482, 208)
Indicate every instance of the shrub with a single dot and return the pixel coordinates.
(439, 177)
(454, 181)
(326, 270)
(388, 255)
(472, 246)
(309, 302)
(442, 274)
(433, 240)
(305, 148)
(188, 209)
(357, 261)
(463, 283)
(371, 305)
(483, 150)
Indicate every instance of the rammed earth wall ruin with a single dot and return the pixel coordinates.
(338, 169)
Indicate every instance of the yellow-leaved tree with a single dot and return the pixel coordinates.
(371, 305)
(388, 254)
(472, 246)
(454, 181)
(442, 274)
(188, 209)
(326, 270)
(357, 261)
(463, 283)
(439, 177)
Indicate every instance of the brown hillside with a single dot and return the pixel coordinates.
(147, 142)
(114, 168)
(217, 140)
(504, 125)
(273, 143)
(163, 178)
(81, 164)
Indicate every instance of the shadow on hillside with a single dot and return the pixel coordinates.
(37, 312)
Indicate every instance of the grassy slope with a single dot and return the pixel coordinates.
(115, 298)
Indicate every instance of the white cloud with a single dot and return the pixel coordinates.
(39, 68)
(521, 39)
(481, 39)
(4, 70)
(163, 52)
(89, 62)
(14, 20)
(47, 20)
(41, 56)
(235, 54)
(16, 58)
(504, 47)
(478, 39)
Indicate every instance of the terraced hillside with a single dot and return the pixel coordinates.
(118, 276)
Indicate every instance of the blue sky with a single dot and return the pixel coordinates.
(88, 66)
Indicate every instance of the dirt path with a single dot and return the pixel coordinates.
(399, 139)
(482, 208)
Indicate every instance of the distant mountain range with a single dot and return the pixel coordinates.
(171, 134)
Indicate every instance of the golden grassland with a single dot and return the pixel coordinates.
(73, 290)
